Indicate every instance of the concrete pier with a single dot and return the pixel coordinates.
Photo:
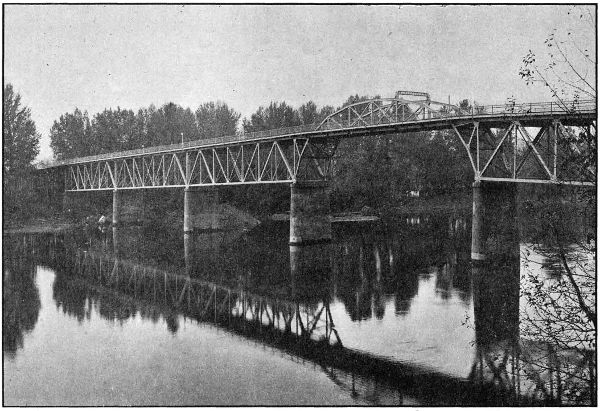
(310, 215)
(117, 200)
(128, 206)
(494, 228)
(201, 211)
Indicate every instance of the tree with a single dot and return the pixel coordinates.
(308, 113)
(70, 135)
(568, 67)
(113, 130)
(559, 313)
(216, 120)
(20, 137)
(559, 310)
(276, 115)
(166, 125)
(20, 147)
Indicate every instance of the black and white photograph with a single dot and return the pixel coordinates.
(319, 205)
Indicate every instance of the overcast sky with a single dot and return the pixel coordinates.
(96, 57)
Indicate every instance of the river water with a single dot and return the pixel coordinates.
(387, 314)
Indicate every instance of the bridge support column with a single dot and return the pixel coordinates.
(310, 216)
(65, 202)
(117, 200)
(128, 206)
(201, 210)
(494, 229)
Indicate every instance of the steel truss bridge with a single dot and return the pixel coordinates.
(529, 143)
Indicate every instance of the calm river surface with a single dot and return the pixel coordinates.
(388, 314)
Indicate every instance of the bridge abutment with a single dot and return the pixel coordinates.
(310, 215)
(494, 229)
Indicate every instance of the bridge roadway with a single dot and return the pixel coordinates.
(257, 318)
(304, 153)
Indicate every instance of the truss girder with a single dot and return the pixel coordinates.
(280, 161)
(516, 152)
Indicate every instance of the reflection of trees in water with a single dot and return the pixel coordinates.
(259, 261)
(370, 266)
(20, 303)
(71, 297)
(78, 298)
(354, 279)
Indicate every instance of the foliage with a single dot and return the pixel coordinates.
(275, 115)
(560, 307)
(216, 120)
(558, 288)
(379, 171)
(20, 146)
(20, 137)
(70, 136)
(567, 68)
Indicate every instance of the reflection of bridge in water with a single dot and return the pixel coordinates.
(300, 326)
(299, 321)
(206, 301)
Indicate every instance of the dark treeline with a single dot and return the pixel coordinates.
(20, 146)
(371, 171)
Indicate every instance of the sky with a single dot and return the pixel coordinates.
(59, 57)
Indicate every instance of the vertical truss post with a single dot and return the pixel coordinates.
(554, 132)
(478, 171)
(188, 177)
(515, 156)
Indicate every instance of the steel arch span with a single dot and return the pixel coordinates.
(522, 143)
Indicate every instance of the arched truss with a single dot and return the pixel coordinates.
(388, 111)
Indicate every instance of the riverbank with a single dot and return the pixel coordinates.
(40, 225)
(235, 216)
(424, 205)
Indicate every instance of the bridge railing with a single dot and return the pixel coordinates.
(507, 109)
